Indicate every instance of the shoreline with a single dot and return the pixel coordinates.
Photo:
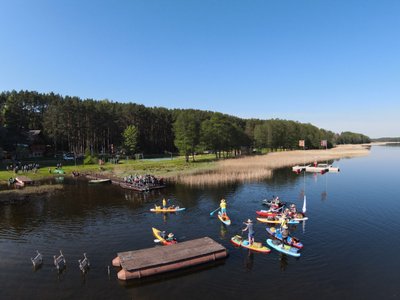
(208, 171)
(262, 166)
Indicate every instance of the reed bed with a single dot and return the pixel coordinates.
(260, 167)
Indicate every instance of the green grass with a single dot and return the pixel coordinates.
(162, 168)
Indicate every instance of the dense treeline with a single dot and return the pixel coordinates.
(352, 138)
(75, 125)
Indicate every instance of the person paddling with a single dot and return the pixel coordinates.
(164, 203)
(249, 228)
(222, 205)
(170, 237)
(285, 234)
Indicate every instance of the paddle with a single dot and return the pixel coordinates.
(211, 213)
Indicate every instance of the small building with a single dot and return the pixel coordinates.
(36, 142)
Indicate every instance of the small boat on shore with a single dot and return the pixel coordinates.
(58, 171)
(96, 181)
(23, 180)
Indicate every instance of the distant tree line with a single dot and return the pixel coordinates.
(352, 138)
(105, 127)
(387, 139)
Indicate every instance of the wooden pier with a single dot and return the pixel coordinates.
(141, 188)
(152, 261)
(125, 185)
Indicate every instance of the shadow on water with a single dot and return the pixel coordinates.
(134, 283)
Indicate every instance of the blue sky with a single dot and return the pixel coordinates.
(335, 64)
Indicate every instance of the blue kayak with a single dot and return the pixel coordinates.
(286, 249)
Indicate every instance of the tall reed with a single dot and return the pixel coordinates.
(254, 168)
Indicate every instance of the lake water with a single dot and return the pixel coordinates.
(351, 238)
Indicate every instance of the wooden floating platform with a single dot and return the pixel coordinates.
(152, 261)
(139, 188)
(125, 185)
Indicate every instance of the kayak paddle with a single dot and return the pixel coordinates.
(211, 213)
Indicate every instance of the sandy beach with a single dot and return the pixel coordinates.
(262, 166)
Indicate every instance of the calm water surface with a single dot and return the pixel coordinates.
(351, 239)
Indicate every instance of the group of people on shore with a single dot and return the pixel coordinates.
(17, 167)
(143, 180)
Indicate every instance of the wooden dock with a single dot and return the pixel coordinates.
(141, 188)
(125, 185)
(152, 261)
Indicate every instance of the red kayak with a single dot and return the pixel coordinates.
(267, 213)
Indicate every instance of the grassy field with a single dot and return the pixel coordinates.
(166, 168)
(205, 170)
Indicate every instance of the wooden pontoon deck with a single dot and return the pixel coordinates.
(125, 185)
(141, 188)
(152, 261)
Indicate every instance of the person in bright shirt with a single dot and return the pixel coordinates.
(222, 205)
(249, 228)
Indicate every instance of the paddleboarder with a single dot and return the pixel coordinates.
(249, 228)
(222, 205)
(293, 210)
(285, 233)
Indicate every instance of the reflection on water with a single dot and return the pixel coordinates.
(249, 260)
(283, 259)
(105, 219)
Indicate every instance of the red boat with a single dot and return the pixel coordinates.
(267, 213)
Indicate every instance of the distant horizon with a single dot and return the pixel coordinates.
(332, 64)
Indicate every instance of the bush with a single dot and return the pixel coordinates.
(89, 159)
